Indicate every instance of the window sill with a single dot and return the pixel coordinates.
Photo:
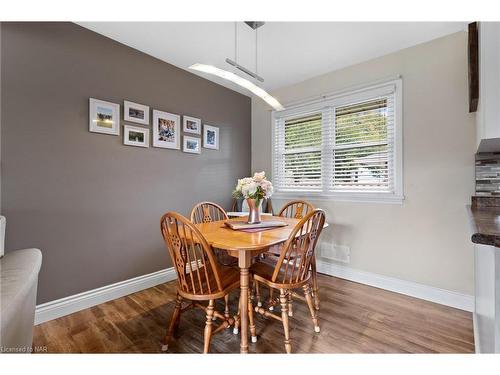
(344, 197)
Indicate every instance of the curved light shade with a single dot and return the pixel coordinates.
(256, 90)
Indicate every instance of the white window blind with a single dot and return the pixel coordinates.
(342, 146)
(299, 165)
(363, 151)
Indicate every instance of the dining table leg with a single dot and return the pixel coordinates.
(244, 261)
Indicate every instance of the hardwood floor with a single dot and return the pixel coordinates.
(354, 318)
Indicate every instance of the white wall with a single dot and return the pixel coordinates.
(425, 239)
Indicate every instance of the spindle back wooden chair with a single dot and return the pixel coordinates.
(207, 212)
(293, 269)
(295, 209)
(298, 209)
(199, 277)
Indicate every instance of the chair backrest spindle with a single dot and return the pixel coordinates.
(296, 209)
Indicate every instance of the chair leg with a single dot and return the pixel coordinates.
(173, 322)
(257, 293)
(312, 310)
(290, 309)
(226, 306)
(251, 320)
(284, 317)
(271, 299)
(315, 283)
(237, 320)
(208, 326)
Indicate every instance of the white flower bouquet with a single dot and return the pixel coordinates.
(256, 187)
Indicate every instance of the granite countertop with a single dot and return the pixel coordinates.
(484, 214)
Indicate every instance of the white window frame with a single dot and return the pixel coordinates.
(328, 103)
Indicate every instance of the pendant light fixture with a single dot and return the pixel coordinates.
(240, 81)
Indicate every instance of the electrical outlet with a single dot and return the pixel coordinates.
(339, 253)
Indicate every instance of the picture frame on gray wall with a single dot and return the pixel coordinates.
(191, 145)
(135, 112)
(135, 136)
(191, 125)
(210, 137)
(166, 130)
(104, 117)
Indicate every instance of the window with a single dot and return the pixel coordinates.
(302, 153)
(346, 146)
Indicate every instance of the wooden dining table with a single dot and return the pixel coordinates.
(244, 246)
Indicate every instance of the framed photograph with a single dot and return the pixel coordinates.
(134, 112)
(166, 130)
(104, 117)
(210, 137)
(135, 136)
(191, 145)
(191, 125)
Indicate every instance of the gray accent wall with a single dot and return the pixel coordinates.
(90, 203)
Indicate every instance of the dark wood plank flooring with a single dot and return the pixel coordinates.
(354, 318)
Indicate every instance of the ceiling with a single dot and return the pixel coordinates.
(288, 52)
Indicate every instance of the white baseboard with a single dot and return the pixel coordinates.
(68, 305)
(409, 288)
